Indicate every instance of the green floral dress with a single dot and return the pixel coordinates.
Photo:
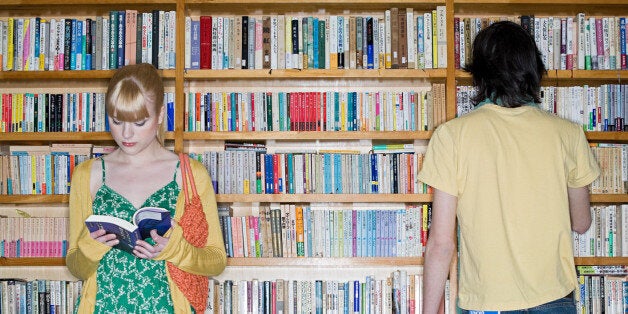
(127, 284)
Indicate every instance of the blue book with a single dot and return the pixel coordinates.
(315, 44)
(170, 115)
(113, 39)
(122, 38)
(129, 232)
(337, 173)
(370, 57)
(195, 50)
(327, 174)
(318, 293)
(374, 174)
(420, 45)
(268, 175)
(290, 174)
(74, 43)
(356, 296)
(622, 44)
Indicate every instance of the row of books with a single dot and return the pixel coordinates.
(612, 159)
(93, 43)
(565, 42)
(349, 172)
(324, 230)
(62, 112)
(33, 237)
(39, 296)
(606, 236)
(400, 292)
(603, 289)
(42, 169)
(596, 108)
(395, 38)
(381, 110)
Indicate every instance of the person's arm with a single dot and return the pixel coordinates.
(211, 259)
(579, 209)
(439, 250)
(84, 253)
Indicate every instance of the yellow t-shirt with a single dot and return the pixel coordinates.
(510, 169)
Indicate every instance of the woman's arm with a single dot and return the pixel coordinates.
(84, 253)
(211, 259)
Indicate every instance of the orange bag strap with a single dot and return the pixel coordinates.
(187, 177)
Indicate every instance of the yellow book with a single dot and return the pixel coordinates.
(434, 40)
(343, 113)
(26, 44)
(300, 237)
(34, 173)
(225, 115)
(42, 49)
(10, 30)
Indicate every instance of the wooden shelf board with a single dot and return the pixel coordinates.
(55, 136)
(67, 75)
(601, 260)
(607, 136)
(32, 261)
(314, 74)
(307, 135)
(87, 2)
(326, 262)
(609, 198)
(34, 199)
(541, 2)
(310, 2)
(332, 198)
(591, 75)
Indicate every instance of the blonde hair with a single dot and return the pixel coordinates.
(133, 92)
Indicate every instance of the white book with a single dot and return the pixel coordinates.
(44, 45)
(571, 43)
(388, 32)
(441, 36)
(274, 44)
(332, 43)
(550, 43)
(463, 44)
(220, 40)
(188, 43)
(411, 35)
(593, 43)
(607, 43)
(327, 43)
(381, 43)
(281, 42)
(161, 58)
(427, 34)
(544, 33)
(580, 50)
(258, 51)
(613, 36)
(288, 42)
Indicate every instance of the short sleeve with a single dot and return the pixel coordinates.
(586, 168)
(439, 166)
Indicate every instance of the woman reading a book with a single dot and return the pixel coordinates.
(139, 173)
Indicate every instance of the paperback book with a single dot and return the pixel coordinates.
(144, 220)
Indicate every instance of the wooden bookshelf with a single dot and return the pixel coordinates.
(180, 79)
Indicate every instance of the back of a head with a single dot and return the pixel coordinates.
(506, 65)
(134, 92)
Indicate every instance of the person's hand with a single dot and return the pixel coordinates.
(145, 250)
(105, 238)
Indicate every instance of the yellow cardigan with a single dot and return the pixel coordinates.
(85, 253)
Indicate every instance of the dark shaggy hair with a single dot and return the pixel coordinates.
(506, 65)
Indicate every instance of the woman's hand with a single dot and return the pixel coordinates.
(145, 250)
(105, 238)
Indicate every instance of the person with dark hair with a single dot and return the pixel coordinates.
(516, 178)
(140, 172)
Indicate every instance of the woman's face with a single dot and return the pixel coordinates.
(134, 137)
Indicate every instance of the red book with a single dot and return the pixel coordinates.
(206, 42)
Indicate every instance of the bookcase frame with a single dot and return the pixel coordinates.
(179, 77)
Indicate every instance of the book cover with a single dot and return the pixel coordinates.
(144, 220)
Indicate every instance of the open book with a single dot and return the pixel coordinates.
(144, 220)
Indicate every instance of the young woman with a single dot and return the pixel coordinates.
(139, 173)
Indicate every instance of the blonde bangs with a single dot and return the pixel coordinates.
(128, 102)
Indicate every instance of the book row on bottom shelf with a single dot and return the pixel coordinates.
(602, 289)
(399, 291)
